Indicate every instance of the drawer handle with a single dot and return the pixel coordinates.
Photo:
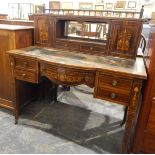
(25, 63)
(87, 78)
(113, 96)
(65, 45)
(114, 83)
(12, 64)
(23, 75)
(91, 48)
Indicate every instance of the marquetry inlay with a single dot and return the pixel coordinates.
(136, 90)
(123, 42)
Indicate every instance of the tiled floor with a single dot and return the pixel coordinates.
(77, 123)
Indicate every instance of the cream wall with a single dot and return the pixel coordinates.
(147, 13)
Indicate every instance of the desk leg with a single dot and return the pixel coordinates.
(124, 117)
(55, 92)
(131, 117)
(66, 88)
(16, 100)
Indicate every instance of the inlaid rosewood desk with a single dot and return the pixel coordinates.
(114, 79)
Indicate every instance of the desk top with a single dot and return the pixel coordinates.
(133, 68)
(14, 27)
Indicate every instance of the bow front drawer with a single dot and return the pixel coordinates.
(68, 76)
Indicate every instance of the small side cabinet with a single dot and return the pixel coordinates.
(11, 37)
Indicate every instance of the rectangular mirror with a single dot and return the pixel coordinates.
(86, 30)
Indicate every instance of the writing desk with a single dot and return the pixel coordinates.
(114, 79)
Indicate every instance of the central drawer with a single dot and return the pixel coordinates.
(67, 45)
(67, 75)
(89, 48)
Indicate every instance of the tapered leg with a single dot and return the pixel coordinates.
(16, 117)
(16, 100)
(66, 88)
(125, 114)
(131, 117)
(55, 92)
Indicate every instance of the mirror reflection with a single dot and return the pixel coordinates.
(86, 30)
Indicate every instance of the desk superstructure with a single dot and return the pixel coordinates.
(87, 34)
(81, 50)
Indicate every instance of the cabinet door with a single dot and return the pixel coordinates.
(148, 142)
(146, 132)
(42, 30)
(151, 120)
(145, 135)
(9, 40)
(124, 38)
(5, 71)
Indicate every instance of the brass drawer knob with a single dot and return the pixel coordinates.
(113, 96)
(12, 64)
(87, 78)
(91, 48)
(25, 63)
(42, 68)
(23, 75)
(65, 45)
(114, 83)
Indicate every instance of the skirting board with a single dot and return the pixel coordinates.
(6, 104)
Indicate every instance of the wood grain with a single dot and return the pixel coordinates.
(10, 38)
(145, 131)
(55, 30)
(122, 86)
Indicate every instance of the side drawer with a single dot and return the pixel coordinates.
(28, 64)
(115, 82)
(113, 95)
(26, 75)
(67, 45)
